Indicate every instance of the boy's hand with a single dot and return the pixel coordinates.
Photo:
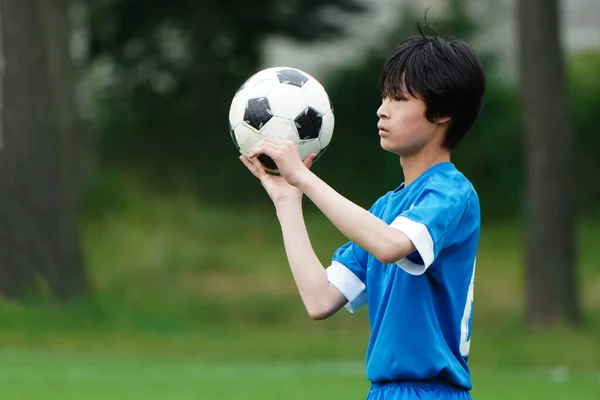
(285, 154)
(276, 186)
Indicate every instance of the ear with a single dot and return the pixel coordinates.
(443, 120)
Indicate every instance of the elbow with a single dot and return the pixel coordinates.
(324, 305)
(318, 314)
(393, 250)
(388, 256)
(321, 310)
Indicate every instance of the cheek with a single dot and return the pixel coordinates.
(413, 122)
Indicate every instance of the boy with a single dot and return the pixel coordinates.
(411, 257)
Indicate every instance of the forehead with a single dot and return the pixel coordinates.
(400, 83)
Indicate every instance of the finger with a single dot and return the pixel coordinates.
(254, 166)
(251, 166)
(260, 169)
(272, 142)
(309, 159)
(259, 148)
(267, 149)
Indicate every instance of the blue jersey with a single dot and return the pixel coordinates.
(420, 306)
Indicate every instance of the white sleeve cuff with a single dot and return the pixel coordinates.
(420, 237)
(353, 289)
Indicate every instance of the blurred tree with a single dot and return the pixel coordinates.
(178, 64)
(550, 265)
(38, 164)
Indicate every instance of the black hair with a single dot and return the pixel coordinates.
(445, 73)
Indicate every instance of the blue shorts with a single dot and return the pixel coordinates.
(416, 391)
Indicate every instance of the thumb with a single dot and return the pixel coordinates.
(308, 160)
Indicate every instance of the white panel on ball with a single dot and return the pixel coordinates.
(280, 128)
(287, 101)
(327, 129)
(261, 76)
(263, 88)
(236, 111)
(246, 137)
(305, 147)
(316, 97)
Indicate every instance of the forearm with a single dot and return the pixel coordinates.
(320, 297)
(357, 224)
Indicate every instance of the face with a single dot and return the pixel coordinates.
(403, 127)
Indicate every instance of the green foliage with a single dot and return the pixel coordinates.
(584, 85)
(491, 155)
(157, 136)
(177, 65)
(104, 193)
(183, 289)
(173, 265)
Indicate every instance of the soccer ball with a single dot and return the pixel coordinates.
(281, 102)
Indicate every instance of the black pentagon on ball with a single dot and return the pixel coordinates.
(309, 123)
(258, 112)
(267, 162)
(292, 77)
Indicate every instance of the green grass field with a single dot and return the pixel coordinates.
(38, 375)
(66, 375)
(197, 302)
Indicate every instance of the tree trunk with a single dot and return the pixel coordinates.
(550, 265)
(38, 163)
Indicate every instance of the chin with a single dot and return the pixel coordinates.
(398, 149)
(385, 145)
(391, 147)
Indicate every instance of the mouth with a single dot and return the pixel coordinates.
(382, 130)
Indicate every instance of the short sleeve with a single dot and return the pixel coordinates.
(429, 221)
(348, 269)
(348, 273)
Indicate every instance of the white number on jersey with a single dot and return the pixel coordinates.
(465, 340)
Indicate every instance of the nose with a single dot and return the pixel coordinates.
(382, 112)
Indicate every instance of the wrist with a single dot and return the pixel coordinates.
(288, 203)
(304, 180)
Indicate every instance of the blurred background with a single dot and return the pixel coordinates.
(140, 260)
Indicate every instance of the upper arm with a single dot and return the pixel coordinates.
(348, 276)
(347, 273)
(429, 223)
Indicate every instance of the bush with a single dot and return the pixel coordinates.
(584, 88)
(159, 138)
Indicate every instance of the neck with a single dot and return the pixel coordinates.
(414, 165)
